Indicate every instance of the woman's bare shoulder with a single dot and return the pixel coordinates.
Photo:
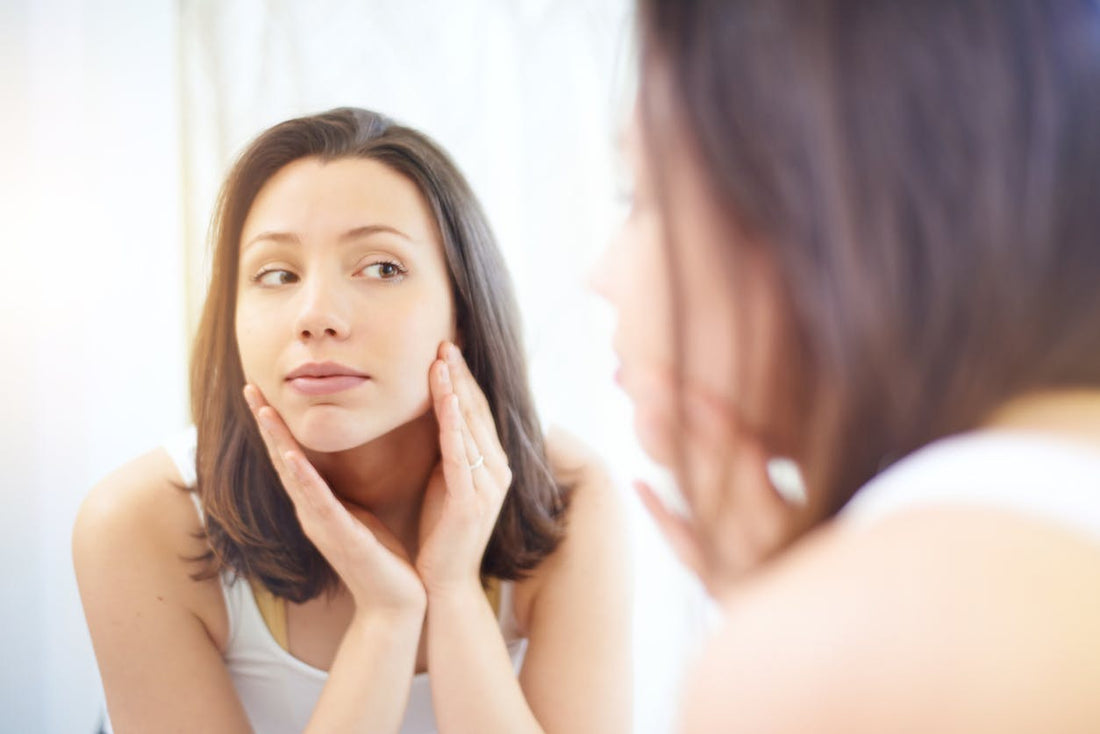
(596, 507)
(939, 619)
(137, 533)
(143, 501)
(573, 461)
(578, 610)
(594, 548)
(158, 633)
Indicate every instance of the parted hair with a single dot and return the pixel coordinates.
(250, 522)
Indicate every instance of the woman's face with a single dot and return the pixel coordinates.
(343, 298)
(725, 323)
(716, 325)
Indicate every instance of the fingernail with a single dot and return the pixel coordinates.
(249, 398)
(292, 461)
(453, 355)
(266, 421)
(786, 479)
(445, 374)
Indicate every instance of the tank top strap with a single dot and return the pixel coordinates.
(181, 450)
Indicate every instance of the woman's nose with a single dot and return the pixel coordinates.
(600, 278)
(322, 313)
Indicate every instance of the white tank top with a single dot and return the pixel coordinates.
(1034, 474)
(279, 691)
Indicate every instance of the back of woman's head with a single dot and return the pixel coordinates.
(250, 522)
(924, 179)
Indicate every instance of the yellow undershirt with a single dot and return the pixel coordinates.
(273, 608)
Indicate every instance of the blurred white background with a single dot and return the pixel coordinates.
(122, 116)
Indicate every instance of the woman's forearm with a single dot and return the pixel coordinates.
(368, 684)
(474, 685)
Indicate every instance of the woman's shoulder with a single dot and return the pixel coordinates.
(145, 500)
(578, 599)
(573, 462)
(594, 549)
(595, 505)
(138, 535)
(137, 531)
(941, 618)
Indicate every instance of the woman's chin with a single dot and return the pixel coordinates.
(328, 435)
(325, 444)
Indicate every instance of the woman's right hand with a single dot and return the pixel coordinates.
(363, 552)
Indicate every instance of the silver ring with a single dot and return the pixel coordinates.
(479, 462)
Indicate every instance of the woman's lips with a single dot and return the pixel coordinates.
(325, 378)
(325, 385)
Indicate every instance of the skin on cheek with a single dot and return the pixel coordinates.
(247, 349)
(645, 341)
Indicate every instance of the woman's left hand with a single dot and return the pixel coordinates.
(468, 487)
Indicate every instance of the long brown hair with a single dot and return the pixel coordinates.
(250, 522)
(924, 180)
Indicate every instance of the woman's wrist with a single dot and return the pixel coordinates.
(406, 614)
(455, 592)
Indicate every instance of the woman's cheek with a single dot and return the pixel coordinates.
(407, 354)
(258, 357)
(246, 342)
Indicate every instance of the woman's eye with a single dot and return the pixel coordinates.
(275, 277)
(384, 271)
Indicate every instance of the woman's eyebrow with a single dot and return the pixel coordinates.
(281, 237)
(371, 229)
(352, 234)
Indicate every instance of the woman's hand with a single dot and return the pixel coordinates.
(737, 518)
(365, 555)
(467, 489)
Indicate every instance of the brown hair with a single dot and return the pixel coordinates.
(924, 180)
(250, 521)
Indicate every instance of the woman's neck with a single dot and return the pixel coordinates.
(1069, 414)
(387, 476)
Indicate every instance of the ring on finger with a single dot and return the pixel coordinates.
(479, 462)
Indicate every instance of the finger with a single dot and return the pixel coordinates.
(378, 531)
(454, 451)
(489, 478)
(489, 474)
(324, 518)
(677, 530)
(738, 461)
(439, 381)
(473, 450)
(443, 387)
(268, 420)
(475, 406)
(762, 500)
(318, 510)
(465, 385)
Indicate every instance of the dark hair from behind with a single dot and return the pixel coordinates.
(924, 178)
(250, 522)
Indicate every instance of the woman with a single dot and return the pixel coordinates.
(375, 502)
(859, 316)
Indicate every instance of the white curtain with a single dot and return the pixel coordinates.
(131, 112)
(93, 325)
